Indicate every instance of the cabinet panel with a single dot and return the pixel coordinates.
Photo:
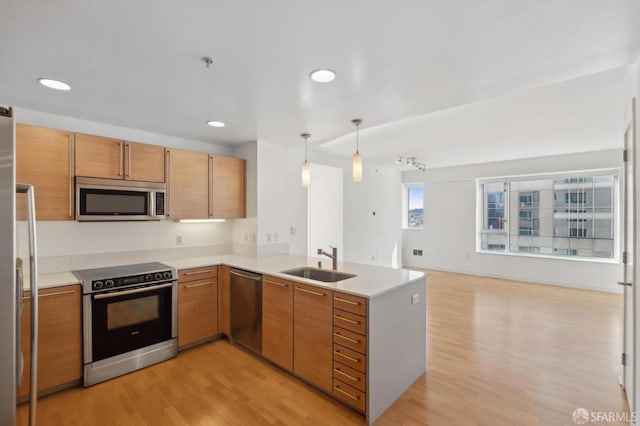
(312, 331)
(349, 375)
(350, 321)
(100, 157)
(227, 187)
(44, 159)
(60, 338)
(144, 162)
(206, 272)
(349, 394)
(350, 358)
(188, 184)
(349, 339)
(277, 321)
(350, 303)
(224, 301)
(197, 310)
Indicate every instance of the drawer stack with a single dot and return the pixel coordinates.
(350, 349)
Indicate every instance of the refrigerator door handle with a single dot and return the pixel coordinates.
(33, 280)
(19, 294)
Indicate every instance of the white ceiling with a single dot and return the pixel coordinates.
(137, 64)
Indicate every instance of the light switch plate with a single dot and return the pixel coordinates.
(415, 298)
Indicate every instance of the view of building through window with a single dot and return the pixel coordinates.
(550, 215)
(415, 206)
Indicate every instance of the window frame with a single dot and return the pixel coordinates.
(405, 206)
(579, 176)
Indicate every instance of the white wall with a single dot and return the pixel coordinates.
(245, 230)
(325, 211)
(368, 238)
(448, 239)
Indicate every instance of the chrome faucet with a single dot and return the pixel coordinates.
(333, 256)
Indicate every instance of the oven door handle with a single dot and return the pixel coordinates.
(134, 291)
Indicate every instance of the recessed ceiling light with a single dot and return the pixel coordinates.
(215, 123)
(322, 76)
(54, 84)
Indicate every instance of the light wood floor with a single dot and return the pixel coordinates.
(499, 352)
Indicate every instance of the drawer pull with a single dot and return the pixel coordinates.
(346, 338)
(206, 271)
(311, 292)
(346, 319)
(57, 293)
(275, 283)
(355, 398)
(339, 299)
(346, 356)
(355, 379)
(198, 284)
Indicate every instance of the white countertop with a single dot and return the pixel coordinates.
(52, 280)
(370, 281)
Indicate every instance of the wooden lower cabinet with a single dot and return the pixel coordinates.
(224, 301)
(277, 321)
(313, 335)
(197, 305)
(60, 338)
(350, 329)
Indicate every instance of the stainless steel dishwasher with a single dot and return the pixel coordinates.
(246, 309)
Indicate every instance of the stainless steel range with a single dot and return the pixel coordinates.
(130, 318)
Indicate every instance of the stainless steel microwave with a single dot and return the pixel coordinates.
(115, 200)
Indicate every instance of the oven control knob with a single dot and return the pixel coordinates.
(167, 275)
(148, 277)
(158, 276)
(108, 283)
(97, 285)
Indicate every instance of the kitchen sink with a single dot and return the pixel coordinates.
(325, 275)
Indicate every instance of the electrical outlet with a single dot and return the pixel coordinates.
(178, 240)
(276, 237)
(417, 252)
(292, 230)
(415, 298)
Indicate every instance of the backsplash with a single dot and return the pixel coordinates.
(67, 245)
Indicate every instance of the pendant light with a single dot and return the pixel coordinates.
(306, 174)
(357, 158)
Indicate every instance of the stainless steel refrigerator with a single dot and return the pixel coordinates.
(11, 279)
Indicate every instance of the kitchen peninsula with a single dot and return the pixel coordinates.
(368, 332)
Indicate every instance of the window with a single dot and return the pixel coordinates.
(570, 214)
(413, 206)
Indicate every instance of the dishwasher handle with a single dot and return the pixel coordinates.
(247, 275)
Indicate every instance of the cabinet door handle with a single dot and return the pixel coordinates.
(205, 271)
(356, 398)
(198, 284)
(128, 148)
(349, 339)
(275, 283)
(167, 166)
(346, 356)
(121, 172)
(210, 186)
(71, 172)
(355, 379)
(346, 319)
(315, 293)
(339, 299)
(57, 293)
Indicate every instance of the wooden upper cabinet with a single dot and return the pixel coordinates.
(99, 157)
(187, 184)
(227, 187)
(143, 162)
(44, 159)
